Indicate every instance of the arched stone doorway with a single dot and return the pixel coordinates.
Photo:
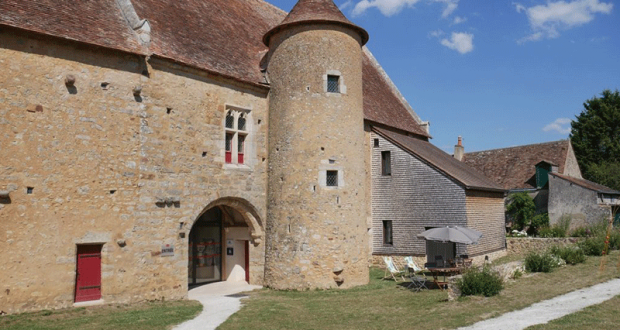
(222, 241)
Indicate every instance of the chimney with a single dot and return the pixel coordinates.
(459, 150)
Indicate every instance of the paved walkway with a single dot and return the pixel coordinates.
(219, 300)
(551, 309)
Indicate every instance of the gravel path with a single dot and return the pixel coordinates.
(547, 310)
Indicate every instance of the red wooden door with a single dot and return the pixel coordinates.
(247, 261)
(88, 273)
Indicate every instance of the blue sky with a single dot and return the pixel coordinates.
(499, 73)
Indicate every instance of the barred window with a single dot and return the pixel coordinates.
(236, 132)
(230, 119)
(333, 84)
(332, 179)
(241, 123)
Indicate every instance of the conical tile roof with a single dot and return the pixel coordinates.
(315, 11)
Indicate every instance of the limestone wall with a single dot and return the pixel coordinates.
(317, 233)
(522, 245)
(94, 163)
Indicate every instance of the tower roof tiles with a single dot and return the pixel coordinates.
(315, 11)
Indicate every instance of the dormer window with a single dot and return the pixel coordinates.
(333, 84)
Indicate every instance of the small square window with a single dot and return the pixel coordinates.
(376, 143)
(387, 232)
(386, 163)
(332, 179)
(333, 84)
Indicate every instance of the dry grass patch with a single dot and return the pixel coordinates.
(384, 304)
(147, 316)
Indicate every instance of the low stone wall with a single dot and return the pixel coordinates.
(377, 260)
(521, 245)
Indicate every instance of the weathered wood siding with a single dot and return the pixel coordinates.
(415, 196)
(485, 213)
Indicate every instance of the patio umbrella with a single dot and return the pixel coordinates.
(454, 234)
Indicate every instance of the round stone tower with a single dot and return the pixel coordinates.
(316, 221)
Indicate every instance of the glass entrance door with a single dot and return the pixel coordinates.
(205, 248)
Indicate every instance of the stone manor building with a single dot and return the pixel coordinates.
(148, 146)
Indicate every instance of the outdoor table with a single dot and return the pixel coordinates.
(437, 271)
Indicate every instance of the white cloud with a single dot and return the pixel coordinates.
(460, 41)
(392, 7)
(519, 7)
(387, 7)
(560, 125)
(459, 20)
(451, 6)
(436, 33)
(345, 5)
(549, 19)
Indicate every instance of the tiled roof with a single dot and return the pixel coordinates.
(307, 11)
(587, 184)
(98, 23)
(223, 37)
(438, 159)
(381, 105)
(515, 168)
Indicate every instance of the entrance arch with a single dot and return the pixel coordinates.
(220, 241)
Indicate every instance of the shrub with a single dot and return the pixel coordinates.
(521, 209)
(580, 232)
(517, 274)
(480, 282)
(572, 255)
(593, 246)
(540, 262)
(538, 221)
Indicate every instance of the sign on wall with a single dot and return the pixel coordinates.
(167, 250)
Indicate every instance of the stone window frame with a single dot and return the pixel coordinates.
(327, 166)
(237, 134)
(342, 86)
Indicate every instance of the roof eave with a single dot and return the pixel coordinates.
(363, 34)
(429, 163)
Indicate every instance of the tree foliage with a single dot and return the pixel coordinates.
(521, 209)
(595, 136)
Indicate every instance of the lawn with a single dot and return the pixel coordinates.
(605, 316)
(147, 316)
(386, 305)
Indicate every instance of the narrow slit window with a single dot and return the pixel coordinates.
(332, 179)
(333, 84)
(386, 163)
(376, 143)
(387, 232)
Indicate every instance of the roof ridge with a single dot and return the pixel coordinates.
(521, 146)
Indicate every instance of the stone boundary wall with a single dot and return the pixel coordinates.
(520, 245)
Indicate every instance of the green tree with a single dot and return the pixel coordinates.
(595, 136)
(521, 209)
